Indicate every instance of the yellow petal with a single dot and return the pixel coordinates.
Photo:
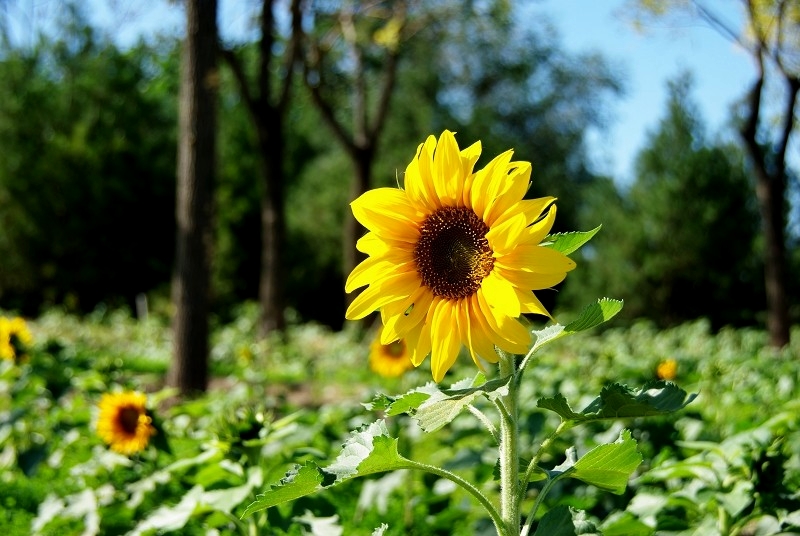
(373, 269)
(512, 336)
(511, 192)
(418, 340)
(388, 212)
(419, 187)
(537, 259)
(404, 315)
(500, 295)
(533, 208)
(530, 304)
(536, 232)
(393, 288)
(484, 187)
(504, 237)
(447, 177)
(445, 342)
(528, 280)
(481, 336)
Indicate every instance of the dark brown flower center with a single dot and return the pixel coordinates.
(395, 349)
(452, 254)
(129, 419)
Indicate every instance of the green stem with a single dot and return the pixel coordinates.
(534, 463)
(509, 447)
(529, 521)
(469, 487)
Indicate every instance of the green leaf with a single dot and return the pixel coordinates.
(370, 450)
(565, 521)
(444, 406)
(367, 451)
(592, 315)
(567, 243)
(609, 466)
(595, 314)
(618, 401)
(299, 482)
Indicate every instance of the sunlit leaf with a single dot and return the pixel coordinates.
(299, 482)
(592, 315)
(567, 243)
(609, 466)
(444, 406)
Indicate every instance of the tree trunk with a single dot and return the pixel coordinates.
(195, 177)
(771, 195)
(273, 224)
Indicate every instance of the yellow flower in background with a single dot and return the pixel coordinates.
(123, 422)
(389, 360)
(667, 369)
(454, 256)
(15, 338)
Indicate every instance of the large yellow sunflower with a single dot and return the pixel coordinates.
(389, 360)
(453, 257)
(15, 338)
(123, 422)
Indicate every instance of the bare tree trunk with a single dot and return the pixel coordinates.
(195, 177)
(273, 225)
(267, 106)
(771, 194)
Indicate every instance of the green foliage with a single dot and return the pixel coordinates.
(87, 177)
(727, 459)
(680, 243)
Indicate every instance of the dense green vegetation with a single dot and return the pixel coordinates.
(87, 183)
(727, 462)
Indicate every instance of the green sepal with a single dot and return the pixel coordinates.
(567, 243)
(617, 401)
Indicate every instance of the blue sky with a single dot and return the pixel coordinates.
(646, 60)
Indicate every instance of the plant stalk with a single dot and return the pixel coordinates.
(509, 447)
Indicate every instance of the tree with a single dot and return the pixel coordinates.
(87, 189)
(369, 59)
(267, 106)
(682, 245)
(195, 179)
(770, 37)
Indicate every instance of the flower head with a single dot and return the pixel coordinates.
(123, 422)
(667, 369)
(15, 338)
(389, 360)
(453, 257)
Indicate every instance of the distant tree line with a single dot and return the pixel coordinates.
(87, 174)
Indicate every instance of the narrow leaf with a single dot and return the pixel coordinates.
(609, 466)
(299, 482)
(567, 243)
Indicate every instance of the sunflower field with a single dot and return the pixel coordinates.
(726, 463)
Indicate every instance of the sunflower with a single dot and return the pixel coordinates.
(453, 257)
(389, 360)
(123, 422)
(15, 338)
